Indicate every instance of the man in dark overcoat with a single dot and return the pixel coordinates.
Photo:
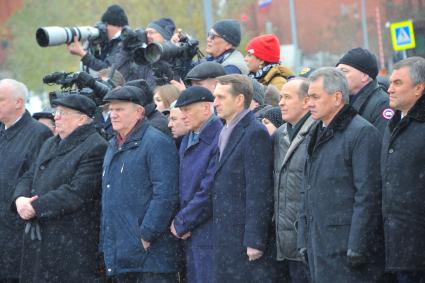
(21, 138)
(242, 192)
(341, 210)
(60, 198)
(197, 164)
(367, 97)
(403, 171)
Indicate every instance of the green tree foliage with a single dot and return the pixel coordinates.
(30, 62)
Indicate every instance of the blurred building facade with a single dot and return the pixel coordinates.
(7, 8)
(327, 29)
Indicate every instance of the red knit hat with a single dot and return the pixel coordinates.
(265, 47)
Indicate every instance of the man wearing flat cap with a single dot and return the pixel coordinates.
(60, 198)
(115, 20)
(152, 115)
(360, 67)
(205, 74)
(198, 152)
(139, 195)
(222, 40)
(46, 118)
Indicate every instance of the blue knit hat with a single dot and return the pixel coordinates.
(165, 27)
(229, 30)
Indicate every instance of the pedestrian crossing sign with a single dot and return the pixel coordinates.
(402, 35)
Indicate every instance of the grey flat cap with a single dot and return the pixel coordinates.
(205, 70)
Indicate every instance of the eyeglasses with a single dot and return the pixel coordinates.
(64, 113)
(151, 31)
(211, 35)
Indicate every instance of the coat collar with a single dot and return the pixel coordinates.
(364, 95)
(305, 128)
(343, 118)
(340, 122)
(61, 147)
(278, 70)
(135, 136)
(417, 112)
(17, 127)
(235, 137)
(207, 134)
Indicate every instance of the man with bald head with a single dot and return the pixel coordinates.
(21, 138)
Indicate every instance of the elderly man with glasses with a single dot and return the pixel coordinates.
(59, 198)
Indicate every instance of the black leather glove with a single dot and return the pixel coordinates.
(33, 228)
(355, 259)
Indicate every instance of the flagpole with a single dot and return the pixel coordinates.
(294, 34)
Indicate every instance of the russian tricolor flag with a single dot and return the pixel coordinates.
(264, 5)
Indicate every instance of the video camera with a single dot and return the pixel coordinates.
(80, 82)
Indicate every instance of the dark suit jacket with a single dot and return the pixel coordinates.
(242, 198)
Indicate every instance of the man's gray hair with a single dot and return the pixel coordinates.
(333, 80)
(18, 89)
(416, 67)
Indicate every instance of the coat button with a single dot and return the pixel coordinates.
(391, 150)
(109, 269)
(108, 186)
(42, 167)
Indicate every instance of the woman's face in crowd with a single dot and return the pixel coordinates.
(158, 101)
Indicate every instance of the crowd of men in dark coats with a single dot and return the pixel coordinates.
(332, 193)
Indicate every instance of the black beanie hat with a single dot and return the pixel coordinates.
(362, 60)
(115, 16)
(274, 115)
(165, 27)
(229, 30)
(258, 89)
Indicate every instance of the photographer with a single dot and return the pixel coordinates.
(174, 68)
(222, 41)
(115, 19)
(125, 61)
(160, 31)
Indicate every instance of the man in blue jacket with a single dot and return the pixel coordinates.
(197, 163)
(139, 195)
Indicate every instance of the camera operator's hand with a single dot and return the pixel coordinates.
(176, 36)
(75, 48)
(180, 85)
